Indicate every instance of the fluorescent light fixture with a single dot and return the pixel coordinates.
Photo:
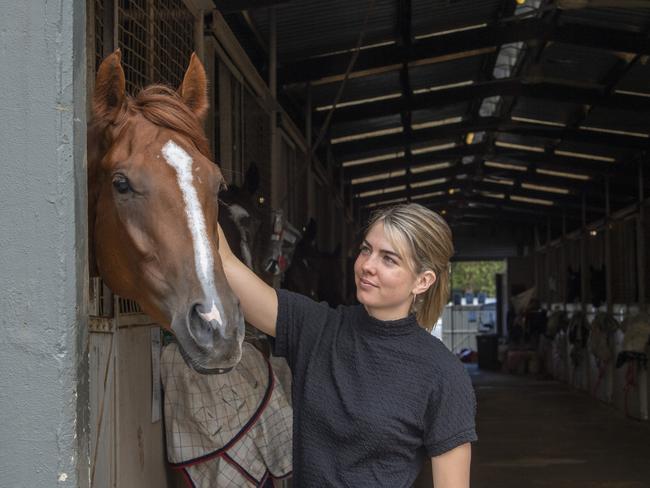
(428, 195)
(385, 202)
(383, 176)
(536, 201)
(523, 147)
(499, 181)
(362, 101)
(451, 31)
(436, 123)
(448, 86)
(582, 155)
(496, 164)
(490, 194)
(430, 167)
(421, 184)
(367, 135)
(537, 121)
(429, 149)
(562, 174)
(634, 93)
(372, 159)
(550, 189)
(614, 131)
(372, 193)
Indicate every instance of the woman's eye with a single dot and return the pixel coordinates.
(389, 260)
(364, 250)
(121, 184)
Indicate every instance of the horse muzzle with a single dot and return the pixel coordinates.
(209, 338)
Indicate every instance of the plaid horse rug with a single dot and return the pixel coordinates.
(226, 430)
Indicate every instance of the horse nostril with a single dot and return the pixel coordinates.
(201, 330)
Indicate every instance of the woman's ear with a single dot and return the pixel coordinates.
(424, 281)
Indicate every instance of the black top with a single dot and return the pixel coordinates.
(372, 399)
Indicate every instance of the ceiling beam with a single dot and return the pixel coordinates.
(508, 87)
(396, 164)
(231, 6)
(463, 44)
(351, 150)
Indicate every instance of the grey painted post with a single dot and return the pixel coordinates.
(43, 275)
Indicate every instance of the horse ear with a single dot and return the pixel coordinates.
(194, 89)
(110, 88)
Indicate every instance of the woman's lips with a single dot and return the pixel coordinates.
(366, 284)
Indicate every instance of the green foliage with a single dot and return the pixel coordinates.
(476, 276)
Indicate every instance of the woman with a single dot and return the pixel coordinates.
(374, 393)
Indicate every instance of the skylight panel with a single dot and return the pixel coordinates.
(435, 181)
(582, 155)
(496, 164)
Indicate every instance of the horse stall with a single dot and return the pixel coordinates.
(156, 38)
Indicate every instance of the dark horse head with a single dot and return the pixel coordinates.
(153, 193)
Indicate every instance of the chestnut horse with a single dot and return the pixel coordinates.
(153, 193)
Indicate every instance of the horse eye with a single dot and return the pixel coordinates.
(121, 184)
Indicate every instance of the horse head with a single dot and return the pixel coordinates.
(153, 193)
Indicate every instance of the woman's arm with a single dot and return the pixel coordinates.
(451, 469)
(258, 300)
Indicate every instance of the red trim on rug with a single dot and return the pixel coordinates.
(239, 468)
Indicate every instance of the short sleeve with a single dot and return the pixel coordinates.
(451, 411)
(299, 323)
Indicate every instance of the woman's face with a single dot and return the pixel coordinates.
(384, 279)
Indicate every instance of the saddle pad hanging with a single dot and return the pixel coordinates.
(232, 429)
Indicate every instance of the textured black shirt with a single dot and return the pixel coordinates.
(372, 399)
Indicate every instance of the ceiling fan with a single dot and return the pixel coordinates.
(579, 4)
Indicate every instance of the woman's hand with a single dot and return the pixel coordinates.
(451, 469)
(258, 301)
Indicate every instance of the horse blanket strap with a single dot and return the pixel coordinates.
(232, 429)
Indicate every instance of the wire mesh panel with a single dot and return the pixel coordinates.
(99, 32)
(156, 38)
(174, 41)
(135, 21)
(623, 252)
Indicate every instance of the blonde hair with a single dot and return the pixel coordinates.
(423, 236)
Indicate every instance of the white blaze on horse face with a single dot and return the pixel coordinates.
(178, 159)
(239, 213)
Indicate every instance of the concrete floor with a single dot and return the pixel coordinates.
(538, 434)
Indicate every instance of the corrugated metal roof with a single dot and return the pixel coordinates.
(577, 63)
(538, 109)
(637, 19)
(311, 27)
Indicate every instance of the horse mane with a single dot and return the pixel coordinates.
(164, 107)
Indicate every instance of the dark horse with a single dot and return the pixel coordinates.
(152, 192)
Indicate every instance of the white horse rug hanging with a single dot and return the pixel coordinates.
(226, 430)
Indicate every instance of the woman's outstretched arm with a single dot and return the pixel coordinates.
(451, 469)
(258, 300)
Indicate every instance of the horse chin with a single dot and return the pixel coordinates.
(221, 358)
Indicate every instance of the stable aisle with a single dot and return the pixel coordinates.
(541, 434)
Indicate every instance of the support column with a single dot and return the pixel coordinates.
(640, 242)
(276, 198)
(44, 283)
(608, 248)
